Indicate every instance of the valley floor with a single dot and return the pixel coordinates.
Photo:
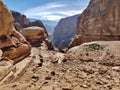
(51, 71)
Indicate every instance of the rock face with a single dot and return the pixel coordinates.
(65, 29)
(34, 31)
(13, 48)
(99, 21)
(34, 35)
(11, 41)
(5, 20)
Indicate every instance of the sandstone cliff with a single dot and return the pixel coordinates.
(12, 43)
(65, 29)
(99, 21)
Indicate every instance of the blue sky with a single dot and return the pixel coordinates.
(47, 9)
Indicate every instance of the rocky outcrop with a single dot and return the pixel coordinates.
(11, 41)
(103, 52)
(37, 37)
(5, 20)
(13, 48)
(34, 31)
(99, 21)
(65, 29)
(25, 22)
(21, 19)
(34, 35)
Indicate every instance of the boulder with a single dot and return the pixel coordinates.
(35, 35)
(100, 21)
(17, 54)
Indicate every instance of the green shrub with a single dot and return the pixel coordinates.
(95, 46)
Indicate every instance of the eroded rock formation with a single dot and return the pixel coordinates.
(99, 21)
(5, 20)
(11, 41)
(25, 22)
(35, 35)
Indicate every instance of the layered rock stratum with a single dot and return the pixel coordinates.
(35, 35)
(99, 21)
(11, 41)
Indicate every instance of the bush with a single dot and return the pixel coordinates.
(95, 46)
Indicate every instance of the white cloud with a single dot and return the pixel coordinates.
(52, 17)
(45, 7)
(51, 11)
(70, 12)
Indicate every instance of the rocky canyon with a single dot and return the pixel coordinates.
(30, 61)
